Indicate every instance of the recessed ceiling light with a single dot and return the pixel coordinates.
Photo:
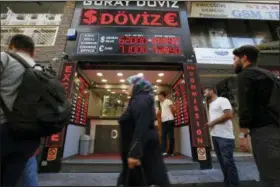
(120, 74)
(124, 86)
(113, 92)
(155, 90)
(161, 74)
(128, 97)
(140, 74)
(122, 80)
(99, 74)
(104, 80)
(109, 90)
(159, 80)
(124, 90)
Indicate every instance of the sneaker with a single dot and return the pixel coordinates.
(164, 154)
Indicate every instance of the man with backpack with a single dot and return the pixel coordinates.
(33, 105)
(259, 113)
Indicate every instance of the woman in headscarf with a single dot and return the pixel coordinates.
(143, 163)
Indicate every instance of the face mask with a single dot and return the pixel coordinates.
(238, 67)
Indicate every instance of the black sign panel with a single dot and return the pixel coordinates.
(129, 44)
(144, 18)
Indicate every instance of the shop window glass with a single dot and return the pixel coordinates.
(261, 31)
(275, 28)
(198, 36)
(239, 34)
(218, 34)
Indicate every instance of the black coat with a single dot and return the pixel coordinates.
(140, 140)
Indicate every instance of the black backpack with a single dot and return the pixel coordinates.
(41, 107)
(274, 101)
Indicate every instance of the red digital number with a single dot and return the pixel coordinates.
(128, 40)
(165, 41)
(133, 49)
(168, 50)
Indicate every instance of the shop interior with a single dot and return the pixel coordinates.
(108, 97)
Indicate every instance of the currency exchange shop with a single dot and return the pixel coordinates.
(108, 42)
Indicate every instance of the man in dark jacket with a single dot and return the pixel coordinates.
(14, 152)
(254, 92)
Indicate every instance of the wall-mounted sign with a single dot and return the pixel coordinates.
(129, 44)
(180, 101)
(150, 4)
(213, 56)
(130, 18)
(197, 118)
(235, 10)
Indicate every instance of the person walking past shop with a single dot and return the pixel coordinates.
(167, 119)
(259, 113)
(14, 153)
(221, 128)
(142, 161)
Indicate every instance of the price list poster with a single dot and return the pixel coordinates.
(80, 102)
(180, 101)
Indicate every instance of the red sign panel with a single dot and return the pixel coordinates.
(180, 102)
(67, 75)
(130, 18)
(197, 118)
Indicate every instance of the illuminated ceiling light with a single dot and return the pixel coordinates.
(128, 97)
(109, 90)
(104, 80)
(124, 86)
(99, 74)
(120, 74)
(140, 74)
(155, 86)
(113, 92)
(158, 81)
(122, 80)
(124, 90)
(161, 74)
(155, 90)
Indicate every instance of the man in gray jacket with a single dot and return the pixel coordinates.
(14, 152)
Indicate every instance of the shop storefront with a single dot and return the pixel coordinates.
(109, 41)
(232, 25)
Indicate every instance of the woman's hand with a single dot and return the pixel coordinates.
(132, 163)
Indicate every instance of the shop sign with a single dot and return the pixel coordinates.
(140, 4)
(52, 154)
(56, 140)
(201, 154)
(199, 132)
(235, 10)
(130, 18)
(67, 76)
(213, 56)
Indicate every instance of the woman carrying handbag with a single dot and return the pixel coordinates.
(143, 163)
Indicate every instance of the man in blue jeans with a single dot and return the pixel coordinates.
(221, 127)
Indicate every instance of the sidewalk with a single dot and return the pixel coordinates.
(247, 172)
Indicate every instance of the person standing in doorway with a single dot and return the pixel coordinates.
(167, 118)
(259, 113)
(221, 128)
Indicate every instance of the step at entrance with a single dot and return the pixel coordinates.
(112, 164)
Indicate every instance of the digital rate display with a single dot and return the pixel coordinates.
(129, 44)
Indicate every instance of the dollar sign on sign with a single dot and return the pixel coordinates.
(102, 39)
(89, 17)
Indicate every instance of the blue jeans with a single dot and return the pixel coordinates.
(30, 174)
(224, 151)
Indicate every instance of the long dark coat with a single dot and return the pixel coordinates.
(139, 139)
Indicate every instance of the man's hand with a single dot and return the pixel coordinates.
(132, 163)
(244, 146)
(210, 125)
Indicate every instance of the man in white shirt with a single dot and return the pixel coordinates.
(221, 128)
(167, 117)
